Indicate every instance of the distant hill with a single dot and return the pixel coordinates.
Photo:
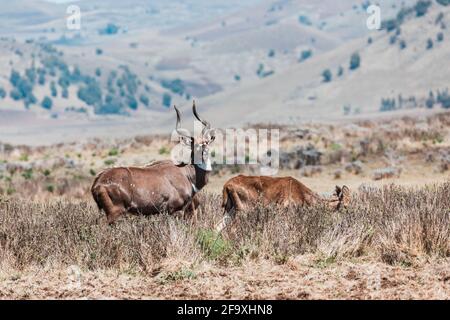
(245, 61)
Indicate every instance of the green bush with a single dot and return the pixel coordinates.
(28, 174)
(213, 244)
(113, 152)
(305, 54)
(53, 90)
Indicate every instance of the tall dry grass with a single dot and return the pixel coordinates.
(394, 225)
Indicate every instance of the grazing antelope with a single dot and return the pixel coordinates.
(242, 191)
(162, 186)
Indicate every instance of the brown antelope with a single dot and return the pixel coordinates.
(242, 191)
(162, 186)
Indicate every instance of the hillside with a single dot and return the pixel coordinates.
(259, 61)
(385, 71)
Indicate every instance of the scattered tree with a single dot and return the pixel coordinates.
(305, 54)
(327, 76)
(167, 100)
(47, 103)
(421, 7)
(355, 61)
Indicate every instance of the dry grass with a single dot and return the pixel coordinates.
(393, 225)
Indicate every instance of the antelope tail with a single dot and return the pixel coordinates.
(227, 205)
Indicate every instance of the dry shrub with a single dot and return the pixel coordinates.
(395, 225)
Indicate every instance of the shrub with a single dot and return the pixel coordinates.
(163, 150)
(355, 61)
(305, 54)
(430, 101)
(110, 29)
(90, 93)
(443, 2)
(213, 244)
(440, 37)
(176, 86)
(444, 99)
(14, 78)
(392, 39)
(53, 90)
(421, 7)
(109, 162)
(387, 105)
(113, 152)
(15, 94)
(2, 93)
(28, 174)
(132, 102)
(47, 103)
(429, 44)
(144, 100)
(65, 93)
(304, 20)
(327, 76)
(166, 100)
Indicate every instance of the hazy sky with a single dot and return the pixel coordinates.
(61, 1)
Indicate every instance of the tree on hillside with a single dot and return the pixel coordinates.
(47, 103)
(144, 100)
(421, 7)
(327, 76)
(167, 100)
(53, 90)
(355, 61)
(443, 2)
(430, 101)
(305, 54)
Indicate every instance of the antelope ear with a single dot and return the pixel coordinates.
(338, 190)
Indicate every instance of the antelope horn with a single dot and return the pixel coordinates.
(177, 127)
(204, 122)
